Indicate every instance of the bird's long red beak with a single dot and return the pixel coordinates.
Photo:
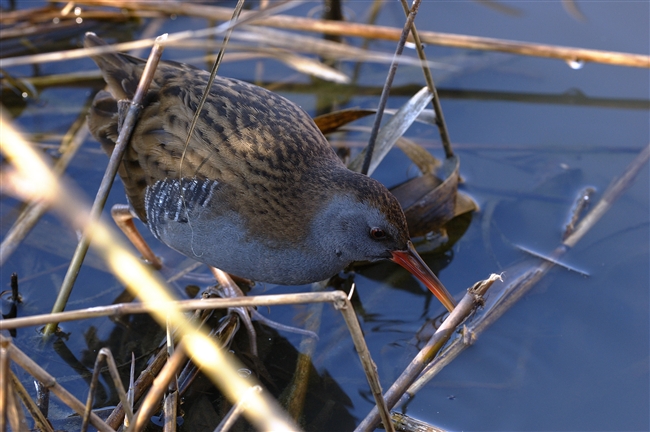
(411, 261)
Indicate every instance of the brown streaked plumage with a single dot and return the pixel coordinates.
(259, 193)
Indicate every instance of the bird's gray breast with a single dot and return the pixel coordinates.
(192, 217)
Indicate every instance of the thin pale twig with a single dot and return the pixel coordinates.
(182, 305)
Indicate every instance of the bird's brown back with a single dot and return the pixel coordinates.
(264, 149)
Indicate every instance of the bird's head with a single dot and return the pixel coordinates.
(363, 221)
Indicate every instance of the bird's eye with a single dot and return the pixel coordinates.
(377, 233)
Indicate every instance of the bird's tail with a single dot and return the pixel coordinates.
(121, 72)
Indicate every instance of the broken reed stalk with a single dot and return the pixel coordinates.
(170, 409)
(105, 353)
(387, 33)
(472, 298)
(428, 77)
(409, 424)
(132, 115)
(613, 191)
(40, 374)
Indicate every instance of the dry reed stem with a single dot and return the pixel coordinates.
(369, 366)
(284, 43)
(170, 409)
(389, 33)
(181, 305)
(428, 352)
(105, 353)
(40, 374)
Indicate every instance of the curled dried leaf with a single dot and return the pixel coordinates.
(430, 202)
(328, 123)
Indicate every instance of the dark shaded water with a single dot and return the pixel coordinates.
(572, 355)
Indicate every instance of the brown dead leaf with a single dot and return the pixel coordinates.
(429, 202)
(328, 123)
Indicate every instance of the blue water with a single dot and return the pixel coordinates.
(573, 353)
